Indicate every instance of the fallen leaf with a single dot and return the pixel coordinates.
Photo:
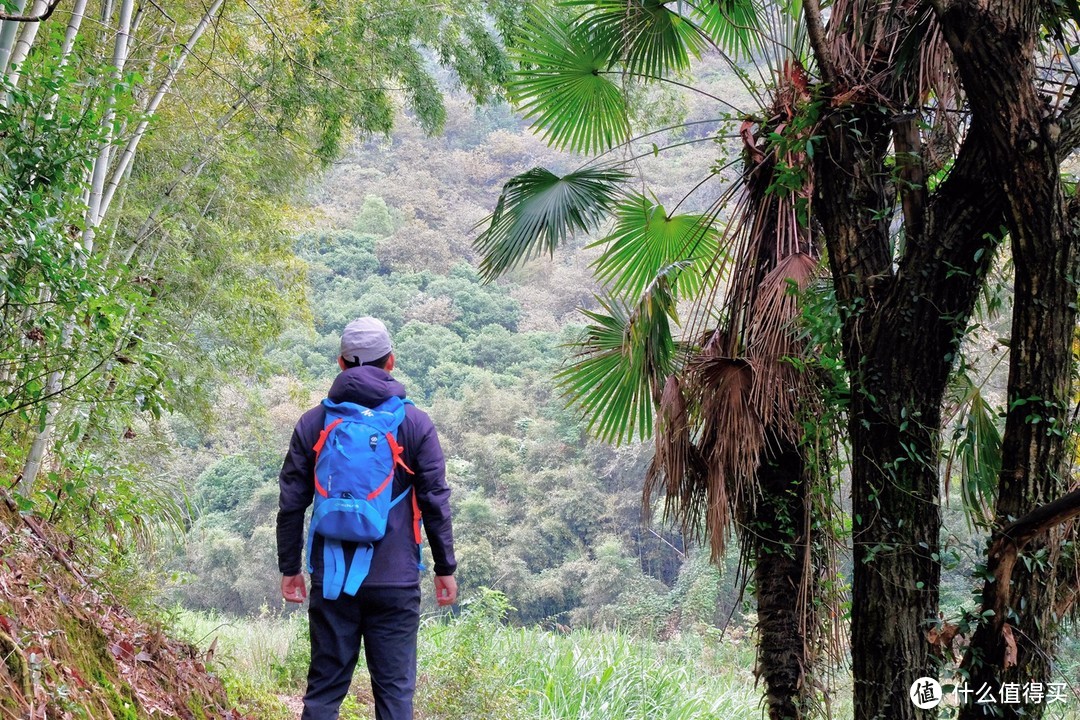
(1010, 646)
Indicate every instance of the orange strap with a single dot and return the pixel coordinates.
(416, 518)
(375, 493)
(318, 448)
(397, 451)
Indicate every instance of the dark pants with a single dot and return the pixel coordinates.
(386, 620)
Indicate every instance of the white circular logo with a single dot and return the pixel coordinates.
(925, 693)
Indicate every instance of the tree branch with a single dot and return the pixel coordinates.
(1010, 540)
(815, 29)
(49, 10)
(1069, 121)
(1020, 532)
(912, 174)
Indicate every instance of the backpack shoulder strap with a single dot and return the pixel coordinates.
(333, 569)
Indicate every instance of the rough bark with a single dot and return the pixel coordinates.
(994, 44)
(901, 331)
(904, 313)
(779, 534)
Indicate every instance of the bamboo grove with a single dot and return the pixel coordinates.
(152, 152)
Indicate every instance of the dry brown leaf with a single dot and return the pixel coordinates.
(1010, 646)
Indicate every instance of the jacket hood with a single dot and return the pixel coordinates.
(365, 385)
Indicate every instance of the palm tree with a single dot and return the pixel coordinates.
(913, 140)
(728, 401)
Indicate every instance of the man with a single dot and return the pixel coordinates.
(385, 612)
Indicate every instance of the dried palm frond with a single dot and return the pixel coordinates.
(732, 438)
(771, 340)
(892, 49)
(677, 469)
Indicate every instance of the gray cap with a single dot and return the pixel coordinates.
(365, 340)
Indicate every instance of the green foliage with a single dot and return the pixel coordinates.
(735, 25)
(653, 39)
(476, 305)
(473, 666)
(466, 677)
(374, 217)
(646, 240)
(623, 356)
(259, 658)
(538, 210)
(227, 484)
(566, 90)
(978, 449)
(535, 674)
(347, 68)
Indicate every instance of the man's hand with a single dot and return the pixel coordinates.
(293, 588)
(445, 589)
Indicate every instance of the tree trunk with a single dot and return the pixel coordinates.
(904, 311)
(903, 318)
(995, 47)
(783, 576)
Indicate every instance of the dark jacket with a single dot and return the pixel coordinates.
(394, 563)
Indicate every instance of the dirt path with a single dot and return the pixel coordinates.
(294, 703)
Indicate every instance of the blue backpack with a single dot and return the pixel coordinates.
(355, 460)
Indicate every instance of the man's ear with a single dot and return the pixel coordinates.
(341, 362)
(390, 363)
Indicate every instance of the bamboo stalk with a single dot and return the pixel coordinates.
(140, 130)
(74, 23)
(26, 41)
(42, 440)
(101, 165)
(98, 202)
(7, 37)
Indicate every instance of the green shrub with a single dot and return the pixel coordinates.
(461, 675)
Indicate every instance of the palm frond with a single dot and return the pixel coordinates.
(734, 25)
(646, 239)
(538, 211)
(565, 89)
(654, 40)
(677, 470)
(622, 361)
(772, 340)
(732, 438)
(978, 449)
(776, 307)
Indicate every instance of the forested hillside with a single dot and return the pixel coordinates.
(542, 513)
(748, 328)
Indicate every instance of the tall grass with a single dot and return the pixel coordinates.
(474, 668)
(268, 652)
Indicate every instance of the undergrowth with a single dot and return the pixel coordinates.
(70, 648)
(473, 667)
